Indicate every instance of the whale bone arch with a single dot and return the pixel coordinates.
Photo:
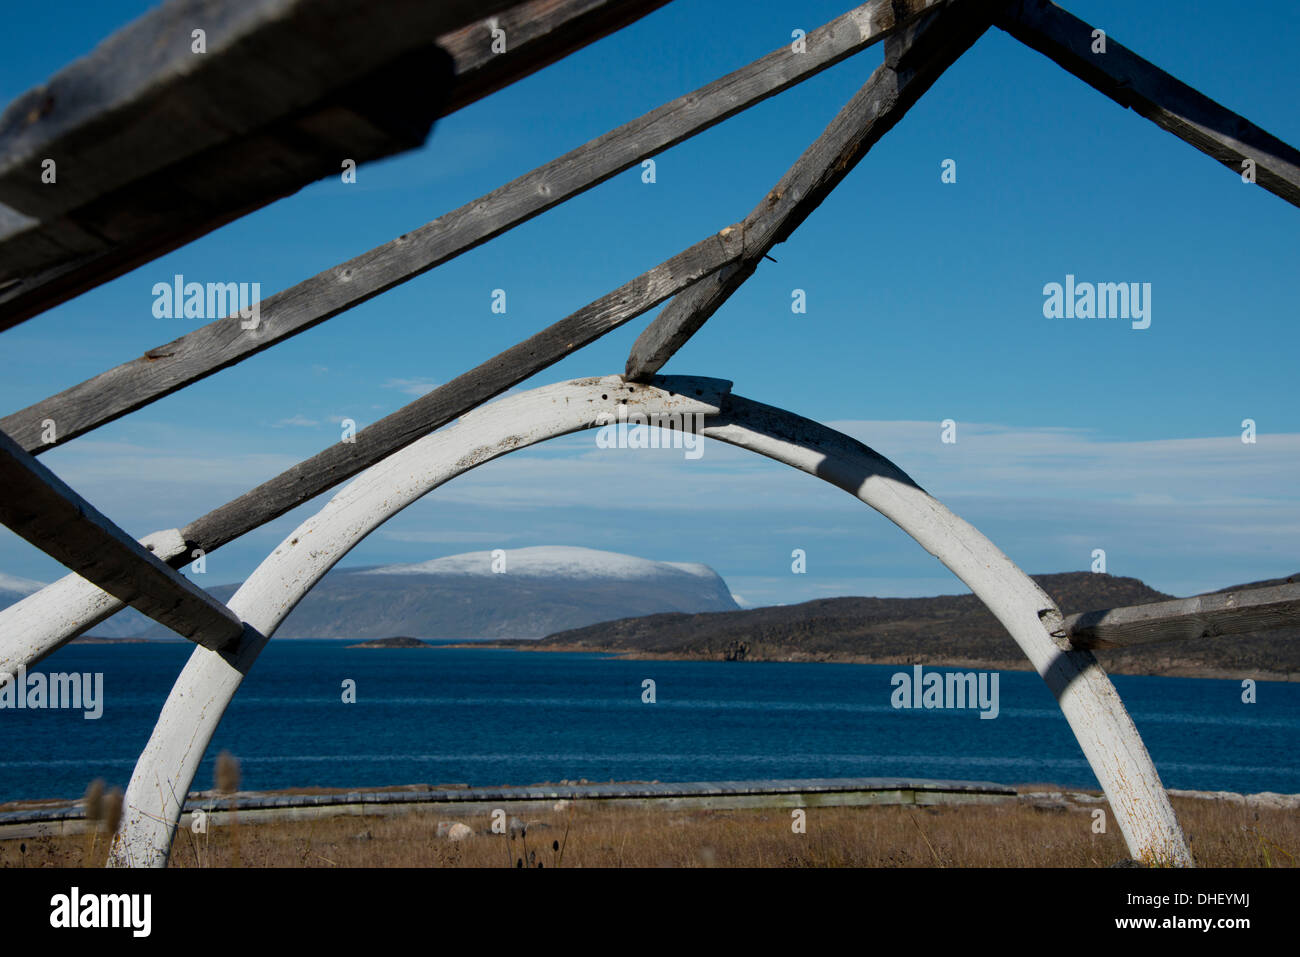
(166, 768)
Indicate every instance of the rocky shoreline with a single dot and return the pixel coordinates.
(401, 641)
(1170, 670)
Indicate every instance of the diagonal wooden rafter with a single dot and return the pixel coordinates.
(1201, 616)
(537, 33)
(1163, 99)
(914, 58)
(222, 343)
(45, 511)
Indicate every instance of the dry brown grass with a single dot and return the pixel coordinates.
(1012, 834)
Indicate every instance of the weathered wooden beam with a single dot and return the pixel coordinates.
(155, 142)
(44, 510)
(914, 58)
(1201, 616)
(1163, 99)
(222, 343)
(50, 258)
(536, 34)
(162, 101)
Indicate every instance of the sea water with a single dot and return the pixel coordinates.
(496, 717)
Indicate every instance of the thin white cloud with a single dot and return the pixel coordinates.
(300, 421)
(1183, 514)
(24, 586)
(449, 536)
(416, 387)
(992, 463)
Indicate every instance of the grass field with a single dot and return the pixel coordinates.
(1016, 833)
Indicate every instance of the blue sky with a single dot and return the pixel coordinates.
(924, 303)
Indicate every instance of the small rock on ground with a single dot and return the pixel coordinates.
(454, 830)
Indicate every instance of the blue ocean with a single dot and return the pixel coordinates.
(490, 717)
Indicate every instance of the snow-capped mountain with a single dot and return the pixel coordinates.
(549, 561)
(512, 593)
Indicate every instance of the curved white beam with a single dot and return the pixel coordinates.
(1091, 705)
(47, 620)
(166, 768)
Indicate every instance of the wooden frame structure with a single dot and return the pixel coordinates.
(109, 222)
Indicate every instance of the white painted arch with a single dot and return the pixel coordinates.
(190, 716)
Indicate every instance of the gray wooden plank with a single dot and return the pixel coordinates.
(41, 508)
(384, 111)
(1163, 99)
(538, 33)
(222, 343)
(1201, 616)
(156, 144)
(914, 58)
(162, 102)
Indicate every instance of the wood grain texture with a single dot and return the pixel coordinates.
(162, 102)
(916, 56)
(156, 144)
(538, 33)
(248, 152)
(37, 505)
(1163, 99)
(222, 343)
(1201, 616)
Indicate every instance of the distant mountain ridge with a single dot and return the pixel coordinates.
(589, 600)
(550, 561)
(949, 629)
(541, 590)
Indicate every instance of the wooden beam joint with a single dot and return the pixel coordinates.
(41, 508)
